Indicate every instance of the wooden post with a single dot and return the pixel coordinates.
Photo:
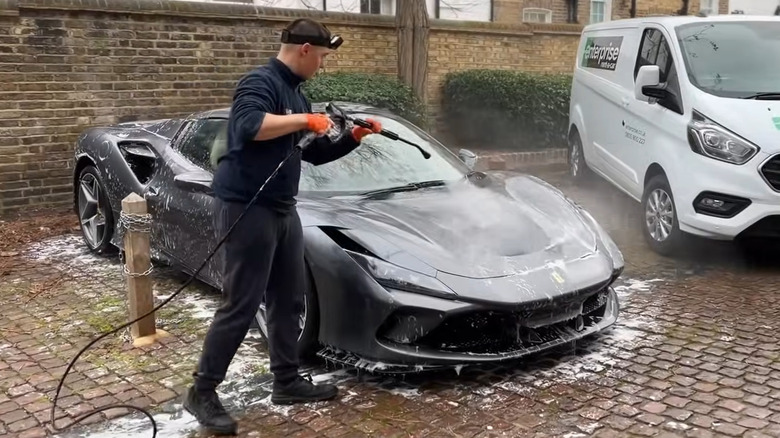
(138, 263)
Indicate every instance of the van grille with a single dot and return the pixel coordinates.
(771, 172)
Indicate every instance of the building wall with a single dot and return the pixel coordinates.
(753, 7)
(509, 11)
(66, 65)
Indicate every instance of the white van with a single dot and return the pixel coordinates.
(682, 113)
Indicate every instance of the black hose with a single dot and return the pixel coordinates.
(299, 147)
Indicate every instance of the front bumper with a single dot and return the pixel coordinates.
(425, 333)
(709, 178)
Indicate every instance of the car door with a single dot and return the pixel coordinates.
(648, 127)
(184, 216)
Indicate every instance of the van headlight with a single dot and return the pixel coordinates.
(712, 140)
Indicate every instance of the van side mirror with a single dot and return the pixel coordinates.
(656, 92)
(646, 83)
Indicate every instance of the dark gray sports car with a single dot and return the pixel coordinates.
(412, 263)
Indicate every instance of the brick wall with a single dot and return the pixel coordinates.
(723, 7)
(69, 64)
(64, 69)
(511, 11)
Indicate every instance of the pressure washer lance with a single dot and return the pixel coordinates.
(302, 144)
(389, 134)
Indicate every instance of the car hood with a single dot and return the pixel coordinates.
(751, 119)
(514, 226)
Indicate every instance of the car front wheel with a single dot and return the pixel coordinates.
(660, 226)
(308, 320)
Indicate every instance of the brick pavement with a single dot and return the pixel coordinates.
(695, 354)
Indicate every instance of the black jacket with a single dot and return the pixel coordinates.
(275, 89)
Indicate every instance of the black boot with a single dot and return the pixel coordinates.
(208, 410)
(301, 390)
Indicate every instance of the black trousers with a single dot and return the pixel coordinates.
(262, 257)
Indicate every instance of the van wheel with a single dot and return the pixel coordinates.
(578, 168)
(660, 226)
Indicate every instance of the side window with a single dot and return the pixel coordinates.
(204, 140)
(654, 50)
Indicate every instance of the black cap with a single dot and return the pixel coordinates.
(306, 31)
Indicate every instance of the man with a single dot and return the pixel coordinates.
(264, 254)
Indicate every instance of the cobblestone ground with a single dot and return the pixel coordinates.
(695, 354)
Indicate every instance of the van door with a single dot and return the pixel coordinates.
(648, 129)
(602, 85)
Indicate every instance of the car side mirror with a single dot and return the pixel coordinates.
(468, 157)
(647, 81)
(194, 182)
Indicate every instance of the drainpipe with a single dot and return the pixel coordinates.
(573, 11)
(684, 9)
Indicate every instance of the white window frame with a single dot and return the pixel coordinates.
(710, 7)
(547, 15)
(607, 11)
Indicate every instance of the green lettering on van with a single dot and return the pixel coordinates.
(776, 120)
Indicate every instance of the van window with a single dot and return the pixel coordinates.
(736, 59)
(654, 50)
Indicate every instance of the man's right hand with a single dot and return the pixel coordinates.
(319, 123)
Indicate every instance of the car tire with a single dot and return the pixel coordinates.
(578, 167)
(308, 340)
(659, 218)
(94, 211)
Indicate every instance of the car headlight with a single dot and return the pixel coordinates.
(618, 262)
(396, 277)
(712, 140)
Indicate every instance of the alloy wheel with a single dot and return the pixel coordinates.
(262, 320)
(574, 162)
(659, 215)
(92, 215)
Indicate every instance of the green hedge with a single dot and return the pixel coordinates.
(500, 109)
(373, 89)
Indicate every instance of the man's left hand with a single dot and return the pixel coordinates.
(358, 132)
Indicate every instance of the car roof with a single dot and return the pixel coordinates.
(671, 21)
(317, 107)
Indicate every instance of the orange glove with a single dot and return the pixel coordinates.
(358, 132)
(319, 123)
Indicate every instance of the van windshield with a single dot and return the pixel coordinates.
(732, 59)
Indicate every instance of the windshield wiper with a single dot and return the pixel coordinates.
(764, 96)
(406, 187)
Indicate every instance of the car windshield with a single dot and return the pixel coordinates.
(382, 163)
(732, 59)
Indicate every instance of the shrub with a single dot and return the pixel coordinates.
(500, 109)
(372, 89)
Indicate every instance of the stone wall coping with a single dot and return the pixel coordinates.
(240, 11)
(9, 8)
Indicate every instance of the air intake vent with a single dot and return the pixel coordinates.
(771, 172)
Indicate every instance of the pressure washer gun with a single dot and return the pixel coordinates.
(340, 128)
